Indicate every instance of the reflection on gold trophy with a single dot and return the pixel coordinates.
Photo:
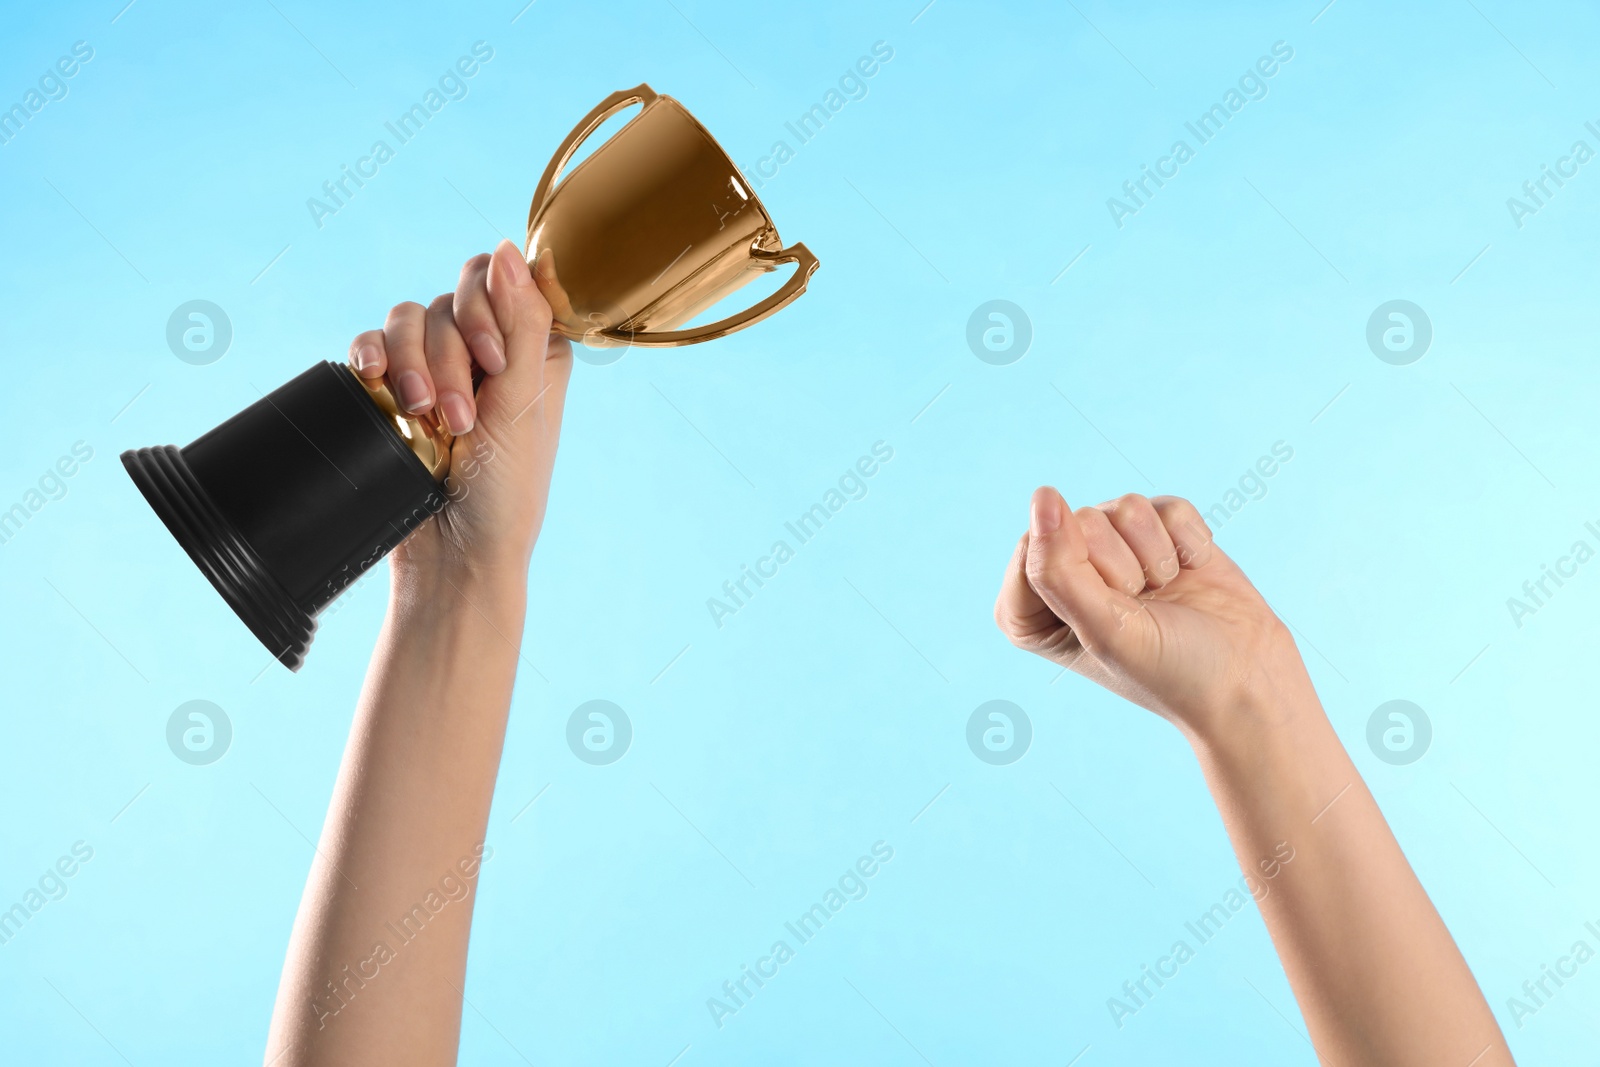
(653, 228)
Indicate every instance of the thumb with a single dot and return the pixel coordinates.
(523, 316)
(1059, 570)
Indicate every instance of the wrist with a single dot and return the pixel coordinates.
(1262, 686)
(1259, 724)
(1269, 744)
(497, 589)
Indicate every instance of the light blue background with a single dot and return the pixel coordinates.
(1224, 317)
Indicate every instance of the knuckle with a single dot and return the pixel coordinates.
(406, 309)
(1177, 510)
(443, 304)
(1137, 516)
(1093, 520)
(1041, 573)
(472, 306)
(1002, 620)
(448, 364)
(1135, 507)
(1183, 520)
(1017, 635)
(1033, 569)
(472, 324)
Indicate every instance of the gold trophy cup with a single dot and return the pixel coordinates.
(653, 228)
(287, 503)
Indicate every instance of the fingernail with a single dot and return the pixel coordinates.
(414, 392)
(487, 351)
(1045, 517)
(366, 358)
(457, 413)
(512, 267)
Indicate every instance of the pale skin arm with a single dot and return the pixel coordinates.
(1135, 596)
(411, 804)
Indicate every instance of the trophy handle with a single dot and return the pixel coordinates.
(795, 253)
(639, 94)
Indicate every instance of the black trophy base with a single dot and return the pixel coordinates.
(221, 553)
(289, 501)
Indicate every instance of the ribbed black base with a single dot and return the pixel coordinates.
(221, 552)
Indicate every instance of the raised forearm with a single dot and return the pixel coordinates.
(379, 947)
(1377, 976)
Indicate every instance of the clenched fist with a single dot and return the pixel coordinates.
(495, 326)
(1134, 595)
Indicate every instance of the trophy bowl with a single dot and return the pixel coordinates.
(653, 228)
